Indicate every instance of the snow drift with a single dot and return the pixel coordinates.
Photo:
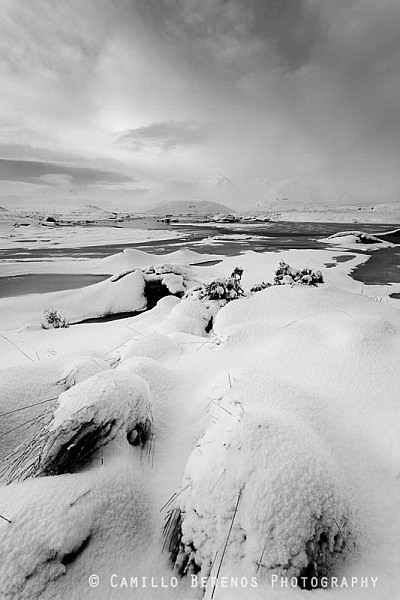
(276, 444)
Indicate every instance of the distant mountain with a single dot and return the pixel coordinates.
(198, 207)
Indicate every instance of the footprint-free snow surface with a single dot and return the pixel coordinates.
(204, 449)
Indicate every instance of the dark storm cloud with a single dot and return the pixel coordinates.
(283, 30)
(30, 171)
(163, 136)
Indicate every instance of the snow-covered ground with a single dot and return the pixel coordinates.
(271, 438)
(36, 236)
(375, 213)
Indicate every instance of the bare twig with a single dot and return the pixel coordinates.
(314, 315)
(221, 407)
(118, 346)
(173, 497)
(135, 330)
(337, 525)
(10, 412)
(16, 347)
(218, 480)
(5, 518)
(259, 564)
(226, 544)
(19, 426)
(79, 497)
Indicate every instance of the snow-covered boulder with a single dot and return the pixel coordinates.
(113, 296)
(260, 490)
(357, 239)
(174, 283)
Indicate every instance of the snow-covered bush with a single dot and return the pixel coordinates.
(54, 320)
(287, 275)
(222, 288)
(258, 287)
(195, 313)
(260, 490)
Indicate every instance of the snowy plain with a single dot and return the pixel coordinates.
(318, 369)
(33, 235)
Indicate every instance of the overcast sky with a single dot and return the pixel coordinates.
(142, 100)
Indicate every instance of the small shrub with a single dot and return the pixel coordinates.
(287, 275)
(54, 320)
(223, 288)
(258, 287)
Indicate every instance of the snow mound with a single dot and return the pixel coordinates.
(129, 291)
(174, 277)
(357, 239)
(48, 526)
(158, 376)
(154, 345)
(162, 280)
(189, 316)
(76, 372)
(166, 304)
(105, 298)
(161, 381)
(174, 283)
(131, 258)
(63, 526)
(260, 489)
(88, 416)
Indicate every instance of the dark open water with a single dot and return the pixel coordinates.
(382, 267)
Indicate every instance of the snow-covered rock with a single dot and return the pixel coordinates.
(112, 296)
(357, 239)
